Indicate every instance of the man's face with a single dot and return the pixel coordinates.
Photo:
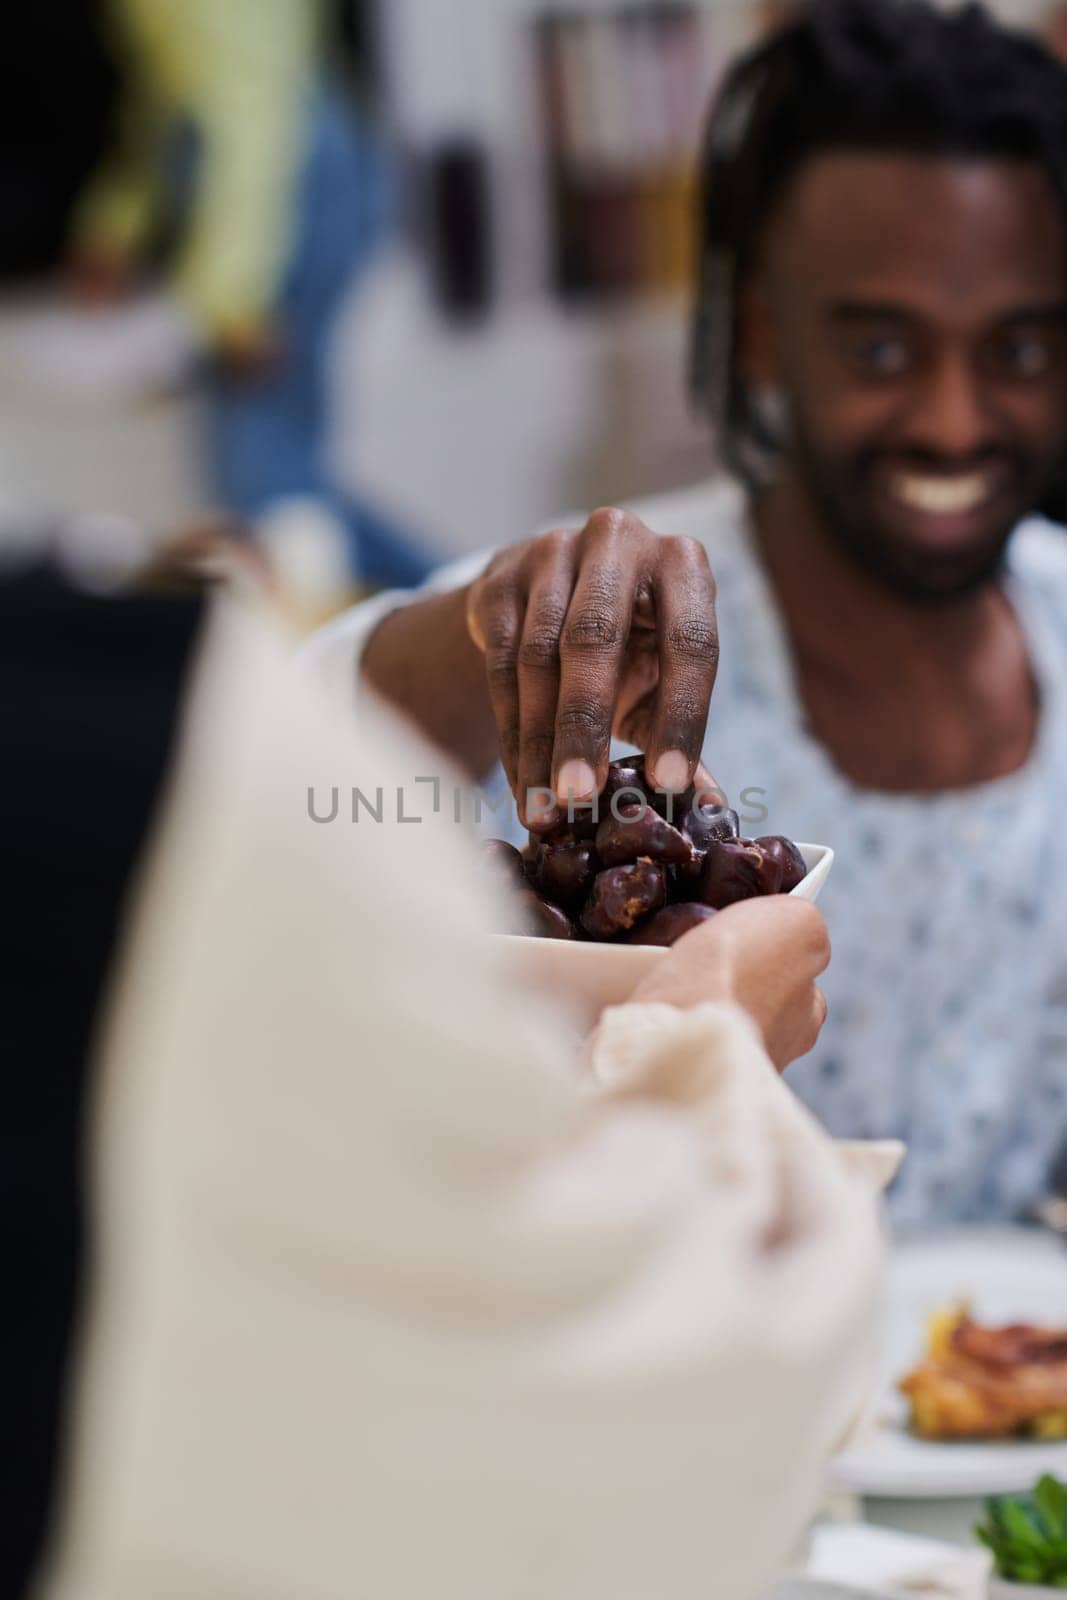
(914, 314)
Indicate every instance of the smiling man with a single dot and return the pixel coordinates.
(881, 344)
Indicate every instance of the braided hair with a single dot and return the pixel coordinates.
(857, 75)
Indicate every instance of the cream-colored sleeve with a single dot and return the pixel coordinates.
(389, 1301)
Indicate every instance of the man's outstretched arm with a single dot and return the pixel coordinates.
(423, 661)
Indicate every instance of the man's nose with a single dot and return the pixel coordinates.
(952, 417)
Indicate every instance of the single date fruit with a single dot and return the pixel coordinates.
(738, 869)
(620, 896)
(626, 774)
(708, 825)
(503, 861)
(543, 919)
(704, 826)
(566, 872)
(639, 831)
(785, 852)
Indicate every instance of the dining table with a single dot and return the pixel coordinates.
(893, 1497)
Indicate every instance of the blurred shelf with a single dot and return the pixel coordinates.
(482, 437)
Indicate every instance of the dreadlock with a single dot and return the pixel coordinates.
(863, 75)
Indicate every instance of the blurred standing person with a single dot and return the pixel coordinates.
(234, 130)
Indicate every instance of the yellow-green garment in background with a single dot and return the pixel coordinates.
(241, 73)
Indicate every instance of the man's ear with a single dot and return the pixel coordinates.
(759, 371)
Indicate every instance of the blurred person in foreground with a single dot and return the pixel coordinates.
(396, 1288)
(236, 135)
(881, 344)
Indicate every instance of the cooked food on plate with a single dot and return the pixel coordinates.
(644, 867)
(989, 1383)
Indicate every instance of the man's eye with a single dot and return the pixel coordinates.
(1024, 356)
(882, 357)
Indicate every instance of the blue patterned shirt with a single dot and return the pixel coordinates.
(947, 993)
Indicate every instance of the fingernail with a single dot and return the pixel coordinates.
(576, 780)
(672, 771)
(540, 809)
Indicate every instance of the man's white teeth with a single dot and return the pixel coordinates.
(941, 496)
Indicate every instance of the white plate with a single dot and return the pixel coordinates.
(591, 976)
(1008, 1275)
(999, 1590)
(823, 1589)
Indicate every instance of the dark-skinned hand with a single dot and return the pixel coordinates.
(606, 630)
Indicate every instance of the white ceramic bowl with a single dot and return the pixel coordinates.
(591, 976)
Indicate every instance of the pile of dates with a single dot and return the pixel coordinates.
(642, 867)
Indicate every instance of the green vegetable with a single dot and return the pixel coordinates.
(1028, 1535)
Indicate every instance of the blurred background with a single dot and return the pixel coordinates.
(458, 299)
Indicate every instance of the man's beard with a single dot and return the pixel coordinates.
(921, 577)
